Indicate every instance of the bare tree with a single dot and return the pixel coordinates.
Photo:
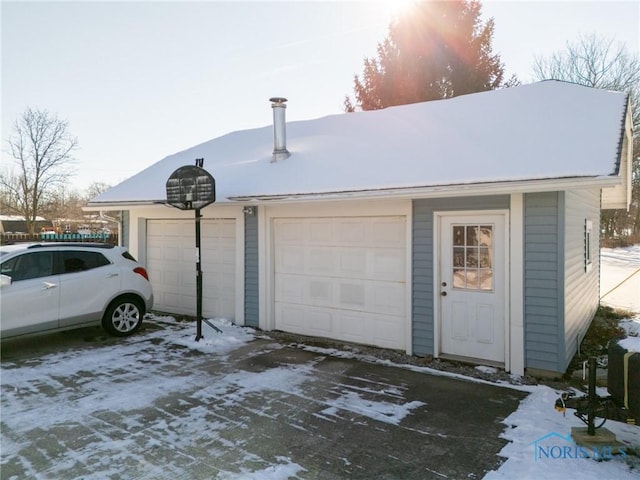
(595, 62)
(599, 62)
(95, 189)
(9, 184)
(42, 148)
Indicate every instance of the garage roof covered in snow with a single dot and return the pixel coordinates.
(542, 131)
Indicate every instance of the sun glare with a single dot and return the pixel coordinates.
(393, 8)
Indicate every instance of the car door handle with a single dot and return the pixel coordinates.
(48, 285)
(111, 275)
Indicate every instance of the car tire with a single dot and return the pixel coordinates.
(123, 317)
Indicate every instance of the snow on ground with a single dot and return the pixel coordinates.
(620, 287)
(620, 278)
(534, 424)
(27, 406)
(535, 418)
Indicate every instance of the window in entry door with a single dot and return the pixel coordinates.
(473, 257)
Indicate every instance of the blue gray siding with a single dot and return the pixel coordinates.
(422, 267)
(544, 281)
(251, 286)
(581, 284)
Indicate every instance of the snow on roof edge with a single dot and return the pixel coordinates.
(241, 158)
(461, 189)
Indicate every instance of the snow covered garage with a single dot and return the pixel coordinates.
(464, 228)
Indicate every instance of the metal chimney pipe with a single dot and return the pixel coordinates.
(280, 151)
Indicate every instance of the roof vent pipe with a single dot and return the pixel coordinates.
(280, 151)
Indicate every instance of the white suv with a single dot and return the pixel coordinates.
(47, 287)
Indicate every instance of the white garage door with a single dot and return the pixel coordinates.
(171, 262)
(342, 278)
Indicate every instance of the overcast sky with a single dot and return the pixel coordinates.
(138, 81)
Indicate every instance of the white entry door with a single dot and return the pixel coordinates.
(472, 288)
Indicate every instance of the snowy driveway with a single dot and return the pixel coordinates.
(236, 405)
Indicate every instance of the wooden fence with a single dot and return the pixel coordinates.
(11, 238)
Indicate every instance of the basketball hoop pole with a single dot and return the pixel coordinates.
(198, 279)
(199, 319)
(191, 188)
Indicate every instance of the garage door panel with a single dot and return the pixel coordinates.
(352, 327)
(353, 262)
(216, 264)
(320, 292)
(171, 277)
(173, 229)
(171, 262)
(342, 278)
(290, 289)
(389, 264)
(353, 232)
(386, 333)
(388, 234)
(292, 318)
(290, 231)
(388, 298)
(319, 322)
(318, 260)
(290, 259)
(320, 232)
(186, 255)
(299, 319)
(352, 295)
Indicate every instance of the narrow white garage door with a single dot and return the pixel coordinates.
(171, 262)
(342, 278)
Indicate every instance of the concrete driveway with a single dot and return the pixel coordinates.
(235, 405)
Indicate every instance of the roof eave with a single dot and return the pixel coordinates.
(416, 192)
(434, 191)
(118, 205)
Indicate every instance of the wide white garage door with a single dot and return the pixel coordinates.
(171, 262)
(342, 278)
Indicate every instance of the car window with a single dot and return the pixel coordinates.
(128, 256)
(29, 265)
(79, 261)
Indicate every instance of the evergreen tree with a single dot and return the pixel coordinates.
(435, 50)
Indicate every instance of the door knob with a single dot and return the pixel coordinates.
(444, 294)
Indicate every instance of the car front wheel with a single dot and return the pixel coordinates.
(123, 317)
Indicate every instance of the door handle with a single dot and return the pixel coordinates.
(48, 286)
(111, 275)
(444, 294)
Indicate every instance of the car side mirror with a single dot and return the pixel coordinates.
(5, 280)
